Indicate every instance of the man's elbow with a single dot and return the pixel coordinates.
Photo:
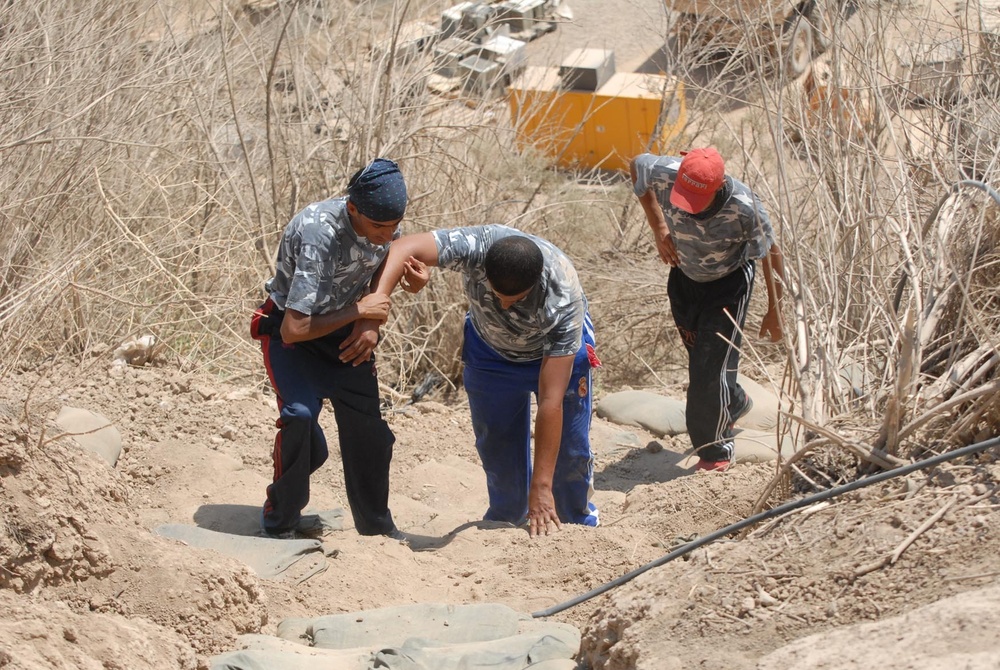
(290, 334)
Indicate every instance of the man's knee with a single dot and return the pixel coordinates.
(297, 413)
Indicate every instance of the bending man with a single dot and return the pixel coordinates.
(710, 229)
(527, 332)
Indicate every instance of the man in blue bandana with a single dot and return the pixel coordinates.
(318, 330)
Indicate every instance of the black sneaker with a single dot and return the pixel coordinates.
(290, 534)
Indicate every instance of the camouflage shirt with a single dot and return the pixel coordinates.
(547, 322)
(322, 264)
(709, 247)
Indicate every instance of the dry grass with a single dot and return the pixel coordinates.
(149, 162)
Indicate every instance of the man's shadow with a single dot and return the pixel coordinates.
(245, 520)
(231, 519)
(641, 466)
(430, 543)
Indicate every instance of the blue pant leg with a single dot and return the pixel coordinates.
(500, 405)
(300, 446)
(574, 475)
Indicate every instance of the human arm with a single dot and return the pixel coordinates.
(359, 345)
(409, 256)
(657, 223)
(553, 381)
(300, 327)
(774, 273)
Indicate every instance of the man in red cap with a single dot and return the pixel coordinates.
(710, 229)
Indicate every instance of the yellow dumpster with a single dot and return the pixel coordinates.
(596, 129)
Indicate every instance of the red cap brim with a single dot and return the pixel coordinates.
(689, 201)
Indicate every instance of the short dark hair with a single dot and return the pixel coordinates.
(513, 265)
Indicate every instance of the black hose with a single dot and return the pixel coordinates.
(982, 186)
(777, 511)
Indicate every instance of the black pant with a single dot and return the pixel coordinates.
(710, 317)
(302, 375)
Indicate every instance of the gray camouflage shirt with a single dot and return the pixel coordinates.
(322, 264)
(547, 322)
(713, 247)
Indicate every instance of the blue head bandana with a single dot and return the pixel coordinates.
(378, 191)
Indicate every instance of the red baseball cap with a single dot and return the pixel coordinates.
(701, 174)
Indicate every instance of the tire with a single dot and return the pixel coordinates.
(797, 46)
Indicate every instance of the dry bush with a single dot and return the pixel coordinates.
(884, 182)
(149, 172)
(129, 207)
(150, 160)
(892, 314)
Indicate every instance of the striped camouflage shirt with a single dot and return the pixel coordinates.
(708, 247)
(547, 322)
(322, 264)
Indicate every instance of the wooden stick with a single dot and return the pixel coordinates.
(981, 575)
(919, 531)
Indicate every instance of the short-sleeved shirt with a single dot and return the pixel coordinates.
(547, 322)
(322, 264)
(709, 247)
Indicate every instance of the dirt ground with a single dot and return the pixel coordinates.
(84, 583)
(83, 574)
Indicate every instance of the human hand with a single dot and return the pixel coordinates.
(667, 250)
(359, 345)
(770, 326)
(542, 516)
(415, 275)
(374, 306)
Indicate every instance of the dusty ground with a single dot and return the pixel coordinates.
(85, 584)
(82, 572)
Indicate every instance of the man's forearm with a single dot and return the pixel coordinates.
(553, 380)
(390, 272)
(299, 327)
(548, 435)
(774, 272)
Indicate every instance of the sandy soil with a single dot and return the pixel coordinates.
(81, 571)
(84, 583)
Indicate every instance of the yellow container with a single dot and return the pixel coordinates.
(596, 129)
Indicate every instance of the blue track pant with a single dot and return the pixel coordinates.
(500, 401)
